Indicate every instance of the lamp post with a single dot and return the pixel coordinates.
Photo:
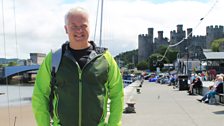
(157, 66)
(186, 71)
(178, 63)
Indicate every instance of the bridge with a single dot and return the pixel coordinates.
(12, 70)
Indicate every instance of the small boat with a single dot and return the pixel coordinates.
(2, 93)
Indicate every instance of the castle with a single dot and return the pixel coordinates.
(193, 45)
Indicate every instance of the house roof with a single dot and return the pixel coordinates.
(214, 55)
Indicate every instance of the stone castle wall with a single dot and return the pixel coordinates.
(147, 44)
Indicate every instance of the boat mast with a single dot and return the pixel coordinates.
(101, 24)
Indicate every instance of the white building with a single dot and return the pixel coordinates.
(37, 58)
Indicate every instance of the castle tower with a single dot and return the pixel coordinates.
(189, 31)
(177, 36)
(159, 41)
(213, 33)
(145, 43)
(180, 33)
(172, 37)
(150, 34)
(160, 35)
(179, 28)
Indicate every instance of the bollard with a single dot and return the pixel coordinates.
(131, 105)
(130, 108)
(140, 85)
(2, 93)
(138, 90)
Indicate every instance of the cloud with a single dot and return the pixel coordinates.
(39, 23)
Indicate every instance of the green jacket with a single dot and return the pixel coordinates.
(80, 96)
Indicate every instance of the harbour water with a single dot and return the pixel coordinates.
(15, 95)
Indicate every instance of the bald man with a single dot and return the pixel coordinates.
(77, 93)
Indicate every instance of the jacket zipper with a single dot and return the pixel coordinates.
(80, 95)
(80, 88)
(56, 106)
(80, 71)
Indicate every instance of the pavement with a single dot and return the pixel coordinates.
(161, 105)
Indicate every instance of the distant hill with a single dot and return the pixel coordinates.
(5, 61)
(128, 57)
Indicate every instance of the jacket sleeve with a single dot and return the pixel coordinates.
(116, 93)
(219, 88)
(40, 97)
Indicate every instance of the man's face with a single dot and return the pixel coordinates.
(77, 27)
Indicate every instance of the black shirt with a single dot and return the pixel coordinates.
(81, 55)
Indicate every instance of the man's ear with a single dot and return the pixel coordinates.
(66, 29)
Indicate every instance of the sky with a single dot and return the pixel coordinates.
(39, 24)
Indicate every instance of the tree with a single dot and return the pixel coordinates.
(12, 64)
(171, 54)
(154, 61)
(128, 57)
(161, 50)
(142, 65)
(130, 65)
(160, 64)
(216, 44)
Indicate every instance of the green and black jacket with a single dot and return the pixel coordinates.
(80, 95)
